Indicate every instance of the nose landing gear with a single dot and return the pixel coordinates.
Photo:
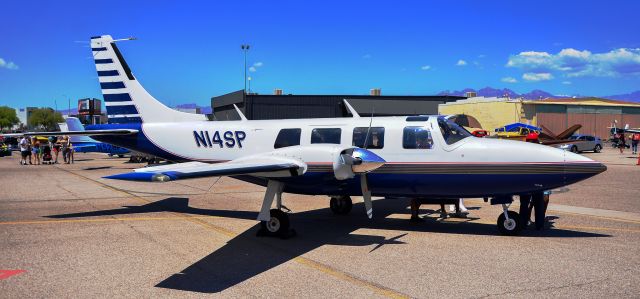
(509, 222)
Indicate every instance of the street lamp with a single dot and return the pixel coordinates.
(249, 79)
(245, 49)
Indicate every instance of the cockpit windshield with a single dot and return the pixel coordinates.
(451, 131)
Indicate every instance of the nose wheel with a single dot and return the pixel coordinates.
(509, 222)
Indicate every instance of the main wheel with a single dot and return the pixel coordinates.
(278, 224)
(509, 227)
(341, 205)
(574, 149)
(597, 149)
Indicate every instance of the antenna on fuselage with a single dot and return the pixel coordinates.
(353, 112)
(242, 117)
(366, 138)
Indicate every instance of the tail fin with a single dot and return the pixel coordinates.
(126, 100)
(74, 124)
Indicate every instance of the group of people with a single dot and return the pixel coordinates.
(635, 139)
(32, 151)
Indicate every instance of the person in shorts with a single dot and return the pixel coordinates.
(37, 151)
(24, 150)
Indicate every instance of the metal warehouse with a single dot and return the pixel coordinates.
(594, 114)
(278, 106)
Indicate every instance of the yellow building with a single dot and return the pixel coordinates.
(594, 114)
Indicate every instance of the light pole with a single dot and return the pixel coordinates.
(249, 79)
(245, 49)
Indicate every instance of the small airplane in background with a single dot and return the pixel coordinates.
(86, 144)
(400, 157)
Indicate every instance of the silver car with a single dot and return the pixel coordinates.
(583, 143)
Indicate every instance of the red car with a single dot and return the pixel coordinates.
(480, 133)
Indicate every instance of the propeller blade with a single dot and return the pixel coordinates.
(366, 195)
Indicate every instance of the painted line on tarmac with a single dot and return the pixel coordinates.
(298, 259)
(378, 289)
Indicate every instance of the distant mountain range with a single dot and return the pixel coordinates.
(535, 94)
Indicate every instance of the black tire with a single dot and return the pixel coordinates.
(511, 227)
(574, 149)
(121, 156)
(279, 223)
(341, 205)
(597, 149)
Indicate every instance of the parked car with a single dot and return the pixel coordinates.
(583, 143)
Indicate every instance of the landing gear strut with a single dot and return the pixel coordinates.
(274, 222)
(341, 205)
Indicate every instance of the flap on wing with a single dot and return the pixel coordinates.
(71, 133)
(259, 166)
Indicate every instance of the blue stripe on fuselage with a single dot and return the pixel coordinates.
(430, 185)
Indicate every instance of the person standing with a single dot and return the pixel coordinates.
(36, 152)
(65, 149)
(635, 139)
(24, 149)
(621, 143)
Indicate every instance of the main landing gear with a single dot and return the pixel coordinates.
(341, 205)
(274, 222)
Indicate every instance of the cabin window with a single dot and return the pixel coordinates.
(287, 137)
(375, 140)
(452, 132)
(328, 135)
(416, 138)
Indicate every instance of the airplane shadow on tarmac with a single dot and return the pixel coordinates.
(246, 255)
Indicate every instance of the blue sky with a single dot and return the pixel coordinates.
(188, 51)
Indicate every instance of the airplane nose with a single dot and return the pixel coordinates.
(579, 163)
(368, 161)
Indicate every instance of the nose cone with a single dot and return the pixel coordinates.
(581, 164)
(370, 161)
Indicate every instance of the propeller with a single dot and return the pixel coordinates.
(366, 195)
(359, 161)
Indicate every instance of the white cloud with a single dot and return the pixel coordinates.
(366, 56)
(566, 82)
(461, 63)
(425, 67)
(8, 65)
(509, 80)
(537, 76)
(576, 63)
(255, 66)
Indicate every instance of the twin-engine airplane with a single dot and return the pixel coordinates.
(395, 157)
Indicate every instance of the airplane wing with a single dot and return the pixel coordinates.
(568, 132)
(257, 166)
(72, 133)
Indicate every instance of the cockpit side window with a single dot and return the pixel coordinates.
(452, 132)
(287, 137)
(375, 140)
(328, 135)
(416, 138)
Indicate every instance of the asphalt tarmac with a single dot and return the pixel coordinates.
(74, 234)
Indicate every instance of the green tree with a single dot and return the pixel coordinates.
(8, 117)
(45, 118)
